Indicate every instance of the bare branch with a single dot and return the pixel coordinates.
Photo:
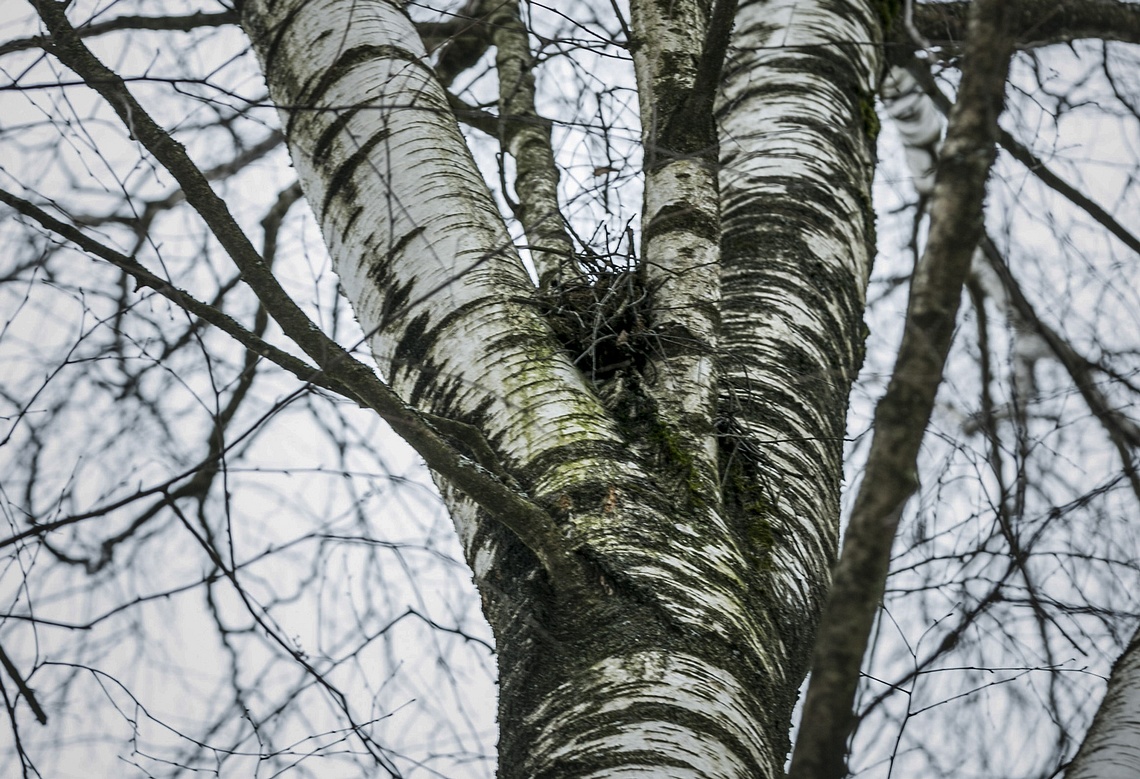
(22, 686)
(1123, 433)
(717, 38)
(1082, 201)
(461, 41)
(182, 23)
(1033, 23)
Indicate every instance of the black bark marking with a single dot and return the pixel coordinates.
(340, 182)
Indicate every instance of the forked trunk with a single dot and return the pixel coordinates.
(695, 488)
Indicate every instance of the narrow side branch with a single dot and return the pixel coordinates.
(1082, 201)
(1033, 23)
(717, 38)
(1032, 162)
(22, 686)
(526, 137)
(177, 23)
(1123, 433)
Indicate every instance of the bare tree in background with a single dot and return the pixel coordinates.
(606, 270)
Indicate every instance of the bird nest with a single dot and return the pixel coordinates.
(602, 318)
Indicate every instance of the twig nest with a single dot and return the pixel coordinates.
(602, 320)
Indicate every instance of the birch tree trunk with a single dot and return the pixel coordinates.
(671, 638)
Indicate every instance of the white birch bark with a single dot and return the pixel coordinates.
(798, 233)
(416, 241)
(426, 263)
(680, 221)
(1111, 749)
(919, 123)
(679, 651)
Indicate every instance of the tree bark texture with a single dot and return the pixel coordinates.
(1111, 748)
(653, 543)
(796, 149)
(902, 415)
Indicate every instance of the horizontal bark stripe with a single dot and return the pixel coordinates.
(699, 714)
(348, 61)
(684, 217)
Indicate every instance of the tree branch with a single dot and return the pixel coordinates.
(207, 313)
(461, 41)
(182, 23)
(1037, 167)
(1033, 23)
(1032, 162)
(1123, 433)
(715, 49)
(526, 136)
(22, 686)
(482, 120)
(681, 218)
